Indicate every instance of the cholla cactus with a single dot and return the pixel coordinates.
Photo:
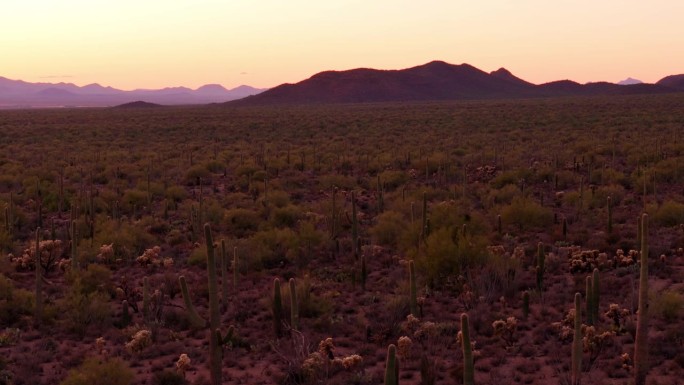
(506, 330)
(312, 366)
(352, 361)
(593, 342)
(106, 253)
(183, 364)
(404, 347)
(141, 340)
(49, 251)
(100, 345)
(617, 315)
(326, 348)
(150, 257)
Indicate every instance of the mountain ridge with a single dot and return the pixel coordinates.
(435, 80)
(19, 93)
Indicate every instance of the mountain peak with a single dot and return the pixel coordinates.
(212, 88)
(629, 82)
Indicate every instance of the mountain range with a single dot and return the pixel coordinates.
(18, 93)
(433, 81)
(437, 80)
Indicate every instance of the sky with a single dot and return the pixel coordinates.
(131, 44)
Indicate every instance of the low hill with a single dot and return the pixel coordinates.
(433, 81)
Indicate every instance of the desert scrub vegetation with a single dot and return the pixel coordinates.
(463, 192)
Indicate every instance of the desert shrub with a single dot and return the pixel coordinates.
(198, 256)
(176, 193)
(273, 248)
(129, 240)
(112, 371)
(215, 166)
(14, 303)
(392, 179)
(340, 181)
(241, 222)
(526, 214)
(278, 198)
(389, 228)
(94, 278)
(600, 197)
(6, 243)
(669, 214)
(82, 310)
(503, 195)
(285, 216)
(137, 198)
(668, 305)
(213, 212)
(168, 377)
(310, 304)
(195, 173)
(449, 252)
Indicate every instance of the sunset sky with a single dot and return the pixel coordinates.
(157, 43)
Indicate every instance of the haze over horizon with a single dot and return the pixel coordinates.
(155, 44)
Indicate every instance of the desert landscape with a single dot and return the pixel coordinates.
(389, 221)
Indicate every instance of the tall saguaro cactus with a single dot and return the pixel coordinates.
(641, 340)
(294, 305)
(468, 365)
(216, 339)
(355, 228)
(413, 301)
(392, 366)
(577, 342)
(39, 281)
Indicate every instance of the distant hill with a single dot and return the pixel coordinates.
(138, 104)
(629, 82)
(674, 81)
(17, 93)
(436, 80)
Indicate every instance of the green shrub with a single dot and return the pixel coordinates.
(668, 305)
(389, 228)
(241, 222)
(14, 303)
(82, 310)
(176, 193)
(449, 252)
(526, 214)
(273, 248)
(195, 173)
(392, 179)
(286, 216)
(112, 371)
(669, 214)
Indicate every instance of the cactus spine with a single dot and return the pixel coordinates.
(577, 342)
(294, 306)
(277, 309)
(468, 366)
(413, 301)
(392, 366)
(641, 340)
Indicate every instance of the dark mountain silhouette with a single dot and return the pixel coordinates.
(18, 93)
(436, 80)
(673, 81)
(138, 104)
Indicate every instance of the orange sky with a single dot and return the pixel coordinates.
(156, 43)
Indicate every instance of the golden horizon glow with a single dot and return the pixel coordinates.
(262, 43)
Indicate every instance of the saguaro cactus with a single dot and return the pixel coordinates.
(588, 298)
(39, 281)
(526, 304)
(577, 342)
(413, 301)
(277, 309)
(392, 366)
(294, 305)
(355, 228)
(216, 340)
(596, 293)
(609, 204)
(641, 340)
(224, 277)
(468, 365)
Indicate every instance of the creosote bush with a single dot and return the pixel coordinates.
(93, 370)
